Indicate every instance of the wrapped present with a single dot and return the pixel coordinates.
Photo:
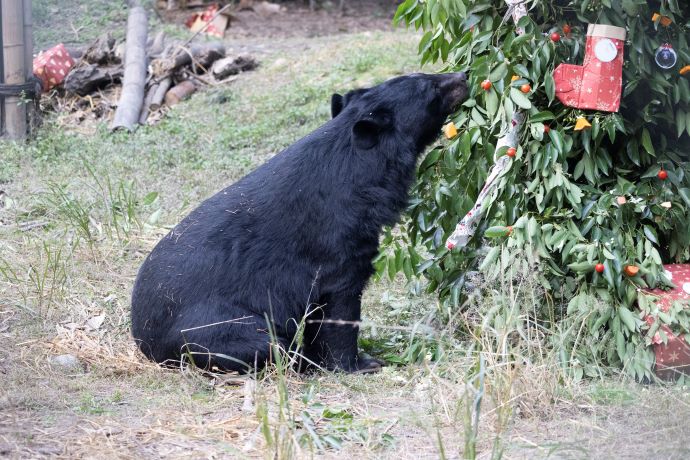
(673, 354)
(52, 66)
(597, 83)
(214, 26)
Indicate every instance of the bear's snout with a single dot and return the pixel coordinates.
(454, 87)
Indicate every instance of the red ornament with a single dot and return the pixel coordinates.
(566, 29)
(663, 175)
(486, 85)
(555, 37)
(511, 152)
(599, 268)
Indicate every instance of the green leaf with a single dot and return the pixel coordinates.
(541, 116)
(557, 139)
(496, 232)
(550, 87)
(647, 142)
(149, 198)
(490, 258)
(650, 234)
(491, 103)
(627, 318)
(581, 267)
(685, 195)
(499, 73)
(520, 99)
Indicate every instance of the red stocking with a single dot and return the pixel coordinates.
(596, 84)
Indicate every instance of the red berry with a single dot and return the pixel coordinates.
(511, 152)
(509, 230)
(547, 128)
(555, 37)
(526, 88)
(486, 85)
(599, 268)
(566, 29)
(663, 175)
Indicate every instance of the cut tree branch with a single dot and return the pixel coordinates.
(134, 82)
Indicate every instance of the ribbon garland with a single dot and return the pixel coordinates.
(468, 225)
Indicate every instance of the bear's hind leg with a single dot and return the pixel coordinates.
(240, 346)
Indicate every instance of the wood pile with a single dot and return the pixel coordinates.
(141, 77)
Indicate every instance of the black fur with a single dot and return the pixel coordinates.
(296, 235)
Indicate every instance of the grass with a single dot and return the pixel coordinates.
(82, 208)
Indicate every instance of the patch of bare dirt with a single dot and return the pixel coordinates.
(297, 20)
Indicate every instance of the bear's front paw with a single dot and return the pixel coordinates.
(366, 364)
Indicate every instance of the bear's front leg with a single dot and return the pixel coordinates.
(331, 335)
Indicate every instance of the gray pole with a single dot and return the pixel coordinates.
(28, 39)
(14, 71)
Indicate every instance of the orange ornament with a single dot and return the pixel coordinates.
(663, 20)
(526, 88)
(450, 130)
(631, 270)
(582, 123)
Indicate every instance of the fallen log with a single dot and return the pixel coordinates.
(179, 92)
(233, 65)
(146, 109)
(157, 45)
(102, 51)
(159, 95)
(87, 78)
(132, 97)
(199, 57)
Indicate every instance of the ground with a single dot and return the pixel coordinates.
(81, 207)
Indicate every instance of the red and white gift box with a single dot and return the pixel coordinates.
(597, 83)
(212, 24)
(672, 357)
(52, 66)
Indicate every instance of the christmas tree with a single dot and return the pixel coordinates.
(587, 165)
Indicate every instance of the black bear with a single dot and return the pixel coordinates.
(294, 238)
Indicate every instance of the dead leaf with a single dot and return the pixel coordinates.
(95, 322)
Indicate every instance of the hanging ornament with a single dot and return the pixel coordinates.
(597, 83)
(666, 56)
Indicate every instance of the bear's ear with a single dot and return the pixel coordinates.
(337, 104)
(367, 130)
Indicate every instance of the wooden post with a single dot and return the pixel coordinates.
(28, 39)
(2, 78)
(134, 82)
(14, 68)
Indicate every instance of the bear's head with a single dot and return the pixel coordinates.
(409, 109)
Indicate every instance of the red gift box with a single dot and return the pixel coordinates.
(217, 26)
(52, 66)
(597, 83)
(672, 357)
